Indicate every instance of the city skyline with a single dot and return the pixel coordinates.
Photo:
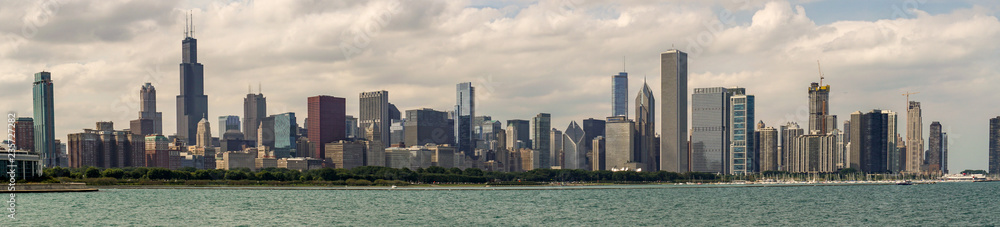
(503, 93)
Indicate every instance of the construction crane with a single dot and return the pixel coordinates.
(824, 105)
(820, 67)
(908, 97)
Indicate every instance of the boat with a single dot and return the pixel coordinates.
(905, 183)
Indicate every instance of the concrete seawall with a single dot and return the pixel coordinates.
(43, 188)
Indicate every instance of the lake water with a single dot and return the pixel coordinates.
(950, 204)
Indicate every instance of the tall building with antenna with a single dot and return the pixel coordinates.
(619, 93)
(192, 103)
(254, 110)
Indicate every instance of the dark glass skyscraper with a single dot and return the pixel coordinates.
(45, 139)
(465, 115)
(645, 125)
(192, 103)
(935, 149)
(523, 131)
(619, 94)
(542, 123)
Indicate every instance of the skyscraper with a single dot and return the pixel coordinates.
(645, 126)
(994, 156)
(789, 141)
(44, 120)
(619, 94)
(285, 134)
(768, 149)
(523, 132)
(819, 109)
(741, 131)
(192, 103)
(465, 115)
(228, 122)
(869, 141)
(895, 162)
(147, 109)
(709, 132)
(424, 126)
(914, 137)
(673, 99)
(254, 111)
(620, 152)
(540, 139)
(574, 148)
(204, 138)
(935, 149)
(592, 128)
(375, 111)
(24, 134)
(556, 146)
(944, 152)
(326, 123)
(351, 127)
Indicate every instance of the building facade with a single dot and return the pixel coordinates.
(541, 140)
(375, 112)
(710, 130)
(44, 120)
(254, 111)
(914, 137)
(574, 147)
(742, 147)
(465, 115)
(192, 103)
(619, 94)
(673, 101)
(645, 127)
(326, 123)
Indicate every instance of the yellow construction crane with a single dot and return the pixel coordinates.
(908, 97)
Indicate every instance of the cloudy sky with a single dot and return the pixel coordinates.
(524, 57)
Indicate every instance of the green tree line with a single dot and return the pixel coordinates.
(365, 175)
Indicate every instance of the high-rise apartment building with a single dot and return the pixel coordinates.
(742, 147)
(935, 149)
(914, 138)
(620, 151)
(24, 134)
(994, 149)
(44, 120)
(427, 126)
(768, 149)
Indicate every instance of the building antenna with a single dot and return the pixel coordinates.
(259, 88)
(185, 25)
(623, 64)
(192, 25)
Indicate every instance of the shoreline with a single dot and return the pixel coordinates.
(490, 187)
